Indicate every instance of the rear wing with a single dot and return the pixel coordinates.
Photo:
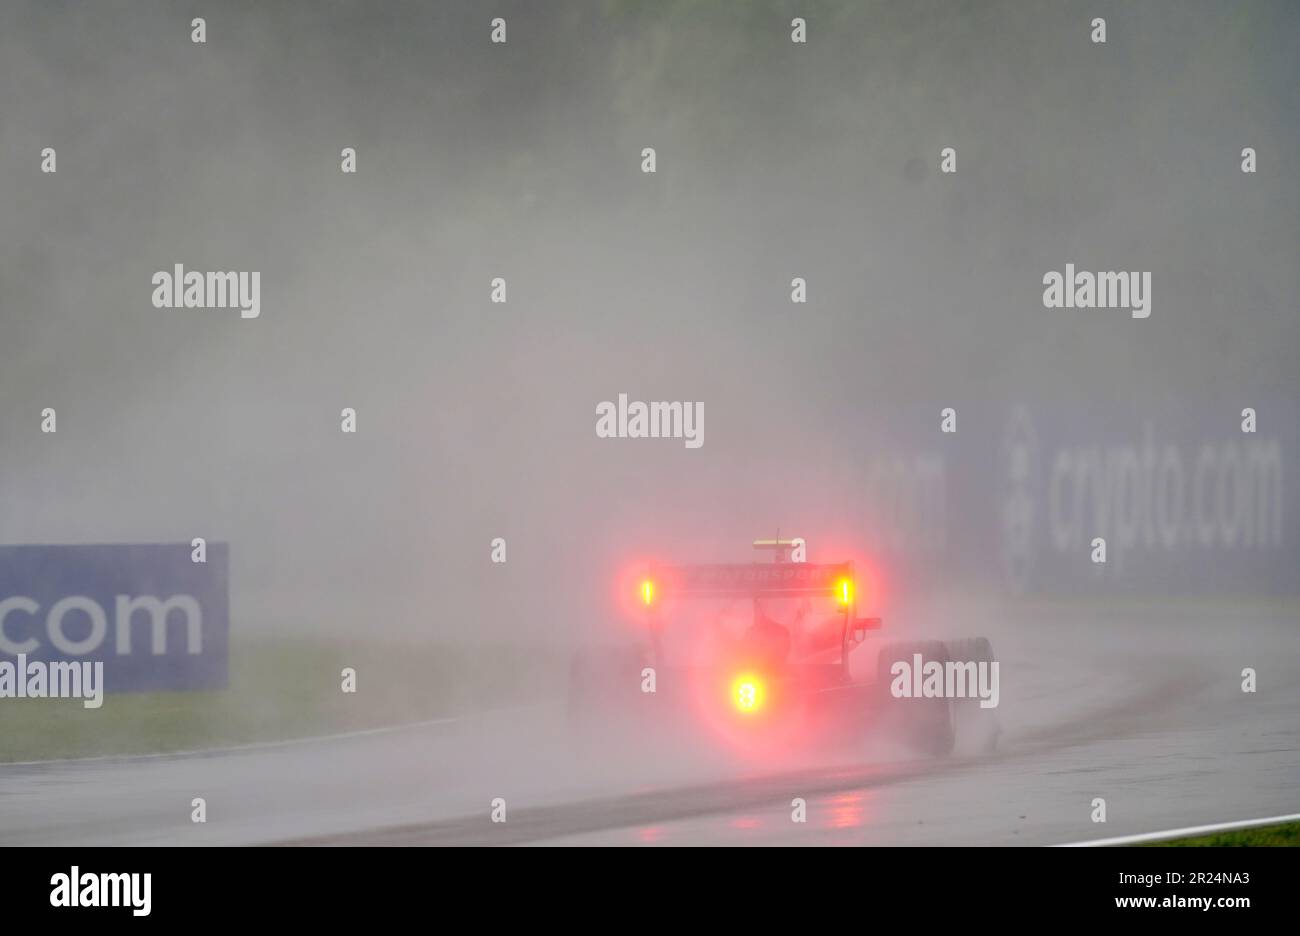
(761, 580)
(742, 580)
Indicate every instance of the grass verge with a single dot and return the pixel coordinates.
(1284, 835)
(279, 689)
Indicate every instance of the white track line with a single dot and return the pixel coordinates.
(1183, 833)
(236, 749)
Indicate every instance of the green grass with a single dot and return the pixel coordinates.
(1285, 835)
(279, 689)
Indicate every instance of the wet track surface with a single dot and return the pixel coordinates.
(1145, 711)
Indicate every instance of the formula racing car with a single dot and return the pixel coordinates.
(772, 653)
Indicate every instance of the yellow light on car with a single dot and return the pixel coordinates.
(844, 591)
(648, 592)
(747, 693)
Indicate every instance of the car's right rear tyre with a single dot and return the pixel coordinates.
(978, 728)
(925, 725)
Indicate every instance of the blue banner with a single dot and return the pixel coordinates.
(1196, 500)
(157, 619)
(1193, 502)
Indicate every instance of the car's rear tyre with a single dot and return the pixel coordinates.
(977, 727)
(926, 725)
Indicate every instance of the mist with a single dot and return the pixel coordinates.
(475, 419)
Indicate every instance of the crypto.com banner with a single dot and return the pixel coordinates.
(1188, 503)
(153, 616)
(1015, 496)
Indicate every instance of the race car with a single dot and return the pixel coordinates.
(769, 653)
